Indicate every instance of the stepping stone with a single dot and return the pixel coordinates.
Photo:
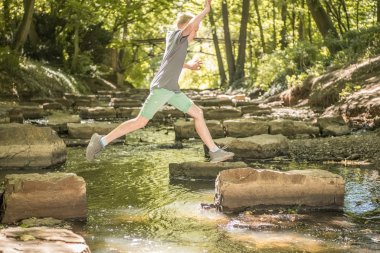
(221, 113)
(52, 106)
(123, 102)
(41, 239)
(59, 120)
(127, 112)
(245, 127)
(28, 146)
(255, 110)
(201, 170)
(262, 146)
(98, 113)
(168, 112)
(292, 128)
(85, 130)
(186, 129)
(57, 195)
(214, 102)
(248, 188)
(33, 112)
(333, 126)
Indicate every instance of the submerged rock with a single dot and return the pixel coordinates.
(256, 147)
(41, 239)
(186, 129)
(243, 188)
(201, 170)
(57, 195)
(28, 146)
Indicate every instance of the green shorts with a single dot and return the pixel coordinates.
(158, 97)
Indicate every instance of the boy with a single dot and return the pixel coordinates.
(164, 89)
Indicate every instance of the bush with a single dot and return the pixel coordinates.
(9, 61)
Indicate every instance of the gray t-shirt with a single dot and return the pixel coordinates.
(172, 63)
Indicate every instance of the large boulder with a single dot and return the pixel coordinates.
(242, 188)
(221, 113)
(333, 125)
(186, 129)
(201, 170)
(256, 147)
(56, 195)
(41, 239)
(85, 130)
(98, 113)
(245, 127)
(28, 146)
(292, 128)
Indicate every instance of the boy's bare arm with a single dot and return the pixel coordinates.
(194, 22)
(194, 64)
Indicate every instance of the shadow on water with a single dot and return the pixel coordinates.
(134, 207)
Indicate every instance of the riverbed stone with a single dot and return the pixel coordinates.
(201, 170)
(85, 130)
(28, 146)
(33, 112)
(41, 239)
(214, 102)
(186, 129)
(333, 126)
(52, 106)
(168, 112)
(98, 113)
(245, 127)
(245, 188)
(255, 110)
(256, 147)
(57, 195)
(292, 128)
(221, 113)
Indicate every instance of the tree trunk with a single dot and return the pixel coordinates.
(34, 39)
(284, 12)
(23, 30)
(357, 14)
(346, 13)
(222, 73)
(255, 2)
(228, 43)
(309, 30)
(239, 72)
(301, 22)
(74, 62)
(274, 25)
(324, 23)
(6, 16)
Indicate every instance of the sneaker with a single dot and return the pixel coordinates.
(94, 147)
(220, 155)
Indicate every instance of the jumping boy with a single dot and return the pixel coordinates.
(164, 89)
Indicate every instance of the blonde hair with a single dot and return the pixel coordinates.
(183, 18)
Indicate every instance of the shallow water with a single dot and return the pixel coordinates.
(133, 206)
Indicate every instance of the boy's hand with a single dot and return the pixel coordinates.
(194, 64)
(208, 5)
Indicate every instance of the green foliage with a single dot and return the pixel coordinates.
(348, 89)
(9, 62)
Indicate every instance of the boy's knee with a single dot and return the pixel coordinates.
(141, 121)
(198, 113)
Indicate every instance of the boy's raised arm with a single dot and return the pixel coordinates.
(194, 22)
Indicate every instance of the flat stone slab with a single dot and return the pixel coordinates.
(248, 188)
(255, 110)
(201, 170)
(245, 127)
(59, 121)
(186, 129)
(221, 113)
(41, 239)
(57, 195)
(333, 126)
(98, 113)
(292, 128)
(168, 112)
(256, 147)
(127, 112)
(124, 102)
(85, 130)
(214, 102)
(28, 146)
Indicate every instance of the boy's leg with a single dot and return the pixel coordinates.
(184, 104)
(152, 104)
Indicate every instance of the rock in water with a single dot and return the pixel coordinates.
(85, 130)
(186, 129)
(244, 188)
(41, 239)
(57, 195)
(28, 146)
(245, 127)
(201, 170)
(256, 147)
